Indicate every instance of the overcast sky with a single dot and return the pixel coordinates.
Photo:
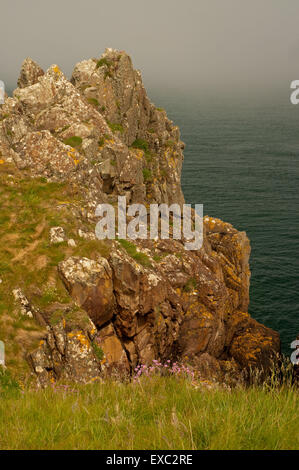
(206, 46)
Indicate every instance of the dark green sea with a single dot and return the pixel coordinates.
(242, 163)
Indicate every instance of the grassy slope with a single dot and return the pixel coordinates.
(157, 413)
(29, 208)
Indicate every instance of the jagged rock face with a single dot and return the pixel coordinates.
(101, 130)
(116, 89)
(30, 73)
(188, 306)
(101, 133)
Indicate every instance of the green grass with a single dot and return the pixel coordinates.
(98, 351)
(157, 413)
(93, 101)
(115, 127)
(51, 295)
(131, 249)
(170, 143)
(190, 285)
(143, 145)
(29, 208)
(147, 174)
(73, 141)
(140, 144)
(103, 62)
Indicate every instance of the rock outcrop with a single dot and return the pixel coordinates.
(150, 299)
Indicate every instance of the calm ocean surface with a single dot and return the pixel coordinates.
(242, 163)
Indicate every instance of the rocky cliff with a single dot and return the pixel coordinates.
(76, 307)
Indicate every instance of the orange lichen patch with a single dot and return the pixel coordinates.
(137, 153)
(251, 344)
(105, 141)
(56, 69)
(204, 318)
(210, 222)
(72, 154)
(81, 338)
(229, 271)
(109, 141)
(2, 162)
(238, 316)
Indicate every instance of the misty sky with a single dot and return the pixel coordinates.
(207, 46)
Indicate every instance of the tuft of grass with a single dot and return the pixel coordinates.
(98, 351)
(103, 62)
(153, 413)
(101, 142)
(131, 249)
(190, 285)
(4, 219)
(74, 317)
(160, 256)
(170, 143)
(147, 174)
(52, 294)
(141, 144)
(73, 141)
(115, 127)
(92, 248)
(93, 101)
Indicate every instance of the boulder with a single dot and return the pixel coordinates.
(90, 284)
